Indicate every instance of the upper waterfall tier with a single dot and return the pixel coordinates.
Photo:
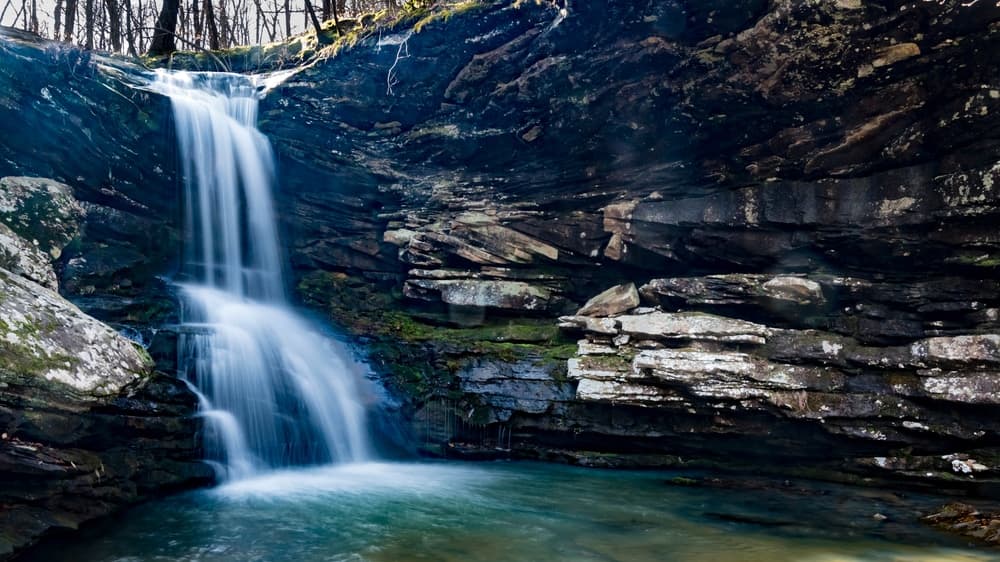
(228, 168)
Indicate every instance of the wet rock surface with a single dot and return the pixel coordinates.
(968, 521)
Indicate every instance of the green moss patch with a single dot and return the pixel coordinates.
(420, 352)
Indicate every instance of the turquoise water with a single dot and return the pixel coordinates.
(516, 512)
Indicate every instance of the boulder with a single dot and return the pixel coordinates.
(509, 295)
(25, 259)
(793, 290)
(616, 300)
(45, 336)
(87, 426)
(41, 211)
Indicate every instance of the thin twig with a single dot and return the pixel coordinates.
(403, 52)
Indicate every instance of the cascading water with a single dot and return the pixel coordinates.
(275, 392)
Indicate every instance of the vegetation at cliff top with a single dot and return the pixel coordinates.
(164, 26)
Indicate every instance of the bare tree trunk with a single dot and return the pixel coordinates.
(223, 25)
(315, 21)
(327, 9)
(129, 29)
(262, 21)
(336, 21)
(114, 24)
(100, 29)
(3, 13)
(179, 30)
(213, 30)
(34, 16)
(288, 18)
(196, 18)
(163, 42)
(70, 20)
(88, 15)
(140, 27)
(57, 14)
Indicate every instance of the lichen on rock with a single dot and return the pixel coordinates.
(45, 336)
(42, 211)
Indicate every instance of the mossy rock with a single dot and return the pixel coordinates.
(421, 356)
(42, 211)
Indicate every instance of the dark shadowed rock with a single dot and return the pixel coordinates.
(87, 427)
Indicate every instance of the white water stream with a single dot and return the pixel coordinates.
(275, 393)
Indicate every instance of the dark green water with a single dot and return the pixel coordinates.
(517, 512)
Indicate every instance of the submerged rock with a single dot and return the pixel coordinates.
(968, 521)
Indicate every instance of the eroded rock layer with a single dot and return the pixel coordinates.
(803, 193)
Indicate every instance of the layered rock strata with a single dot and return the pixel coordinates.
(804, 193)
(86, 424)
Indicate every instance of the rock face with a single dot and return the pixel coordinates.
(804, 194)
(77, 117)
(617, 299)
(23, 258)
(38, 218)
(86, 425)
(41, 211)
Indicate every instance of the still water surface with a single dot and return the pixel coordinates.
(516, 512)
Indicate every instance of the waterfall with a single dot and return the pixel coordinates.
(274, 392)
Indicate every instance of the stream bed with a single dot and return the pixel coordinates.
(516, 511)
